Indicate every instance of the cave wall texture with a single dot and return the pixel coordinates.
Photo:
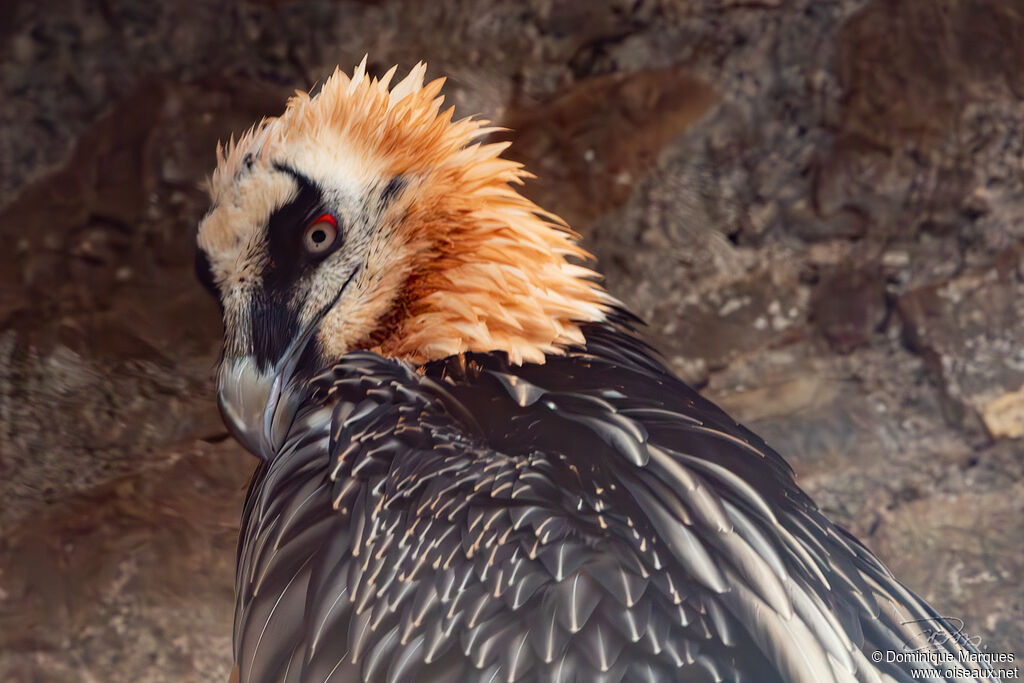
(818, 205)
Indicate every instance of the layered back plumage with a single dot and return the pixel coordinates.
(589, 519)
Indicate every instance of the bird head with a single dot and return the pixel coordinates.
(365, 217)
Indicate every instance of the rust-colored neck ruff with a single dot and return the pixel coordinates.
(461, 261)
(500, 281)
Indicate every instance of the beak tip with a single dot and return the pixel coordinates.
(242, 395)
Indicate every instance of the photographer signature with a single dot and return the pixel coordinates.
(938, 631)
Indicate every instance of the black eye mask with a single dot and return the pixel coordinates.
(287, 258)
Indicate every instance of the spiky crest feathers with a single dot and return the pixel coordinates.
(482, 268)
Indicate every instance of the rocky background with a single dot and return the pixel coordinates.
(818, 205)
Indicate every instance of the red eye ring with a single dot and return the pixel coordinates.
(326, 218)
(321, 235)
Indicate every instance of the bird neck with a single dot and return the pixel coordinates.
(495, 292)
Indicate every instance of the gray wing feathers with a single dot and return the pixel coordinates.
(387, 541)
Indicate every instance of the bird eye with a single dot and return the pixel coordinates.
(321, 234)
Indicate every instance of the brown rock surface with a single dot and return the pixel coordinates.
(762, 181)
(969, 330)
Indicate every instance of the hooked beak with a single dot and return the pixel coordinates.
(250, 400)
(258, 406)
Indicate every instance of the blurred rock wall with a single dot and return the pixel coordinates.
(818, 205)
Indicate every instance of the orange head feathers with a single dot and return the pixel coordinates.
(368, 209)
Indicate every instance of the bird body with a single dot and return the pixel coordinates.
(471, 468)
